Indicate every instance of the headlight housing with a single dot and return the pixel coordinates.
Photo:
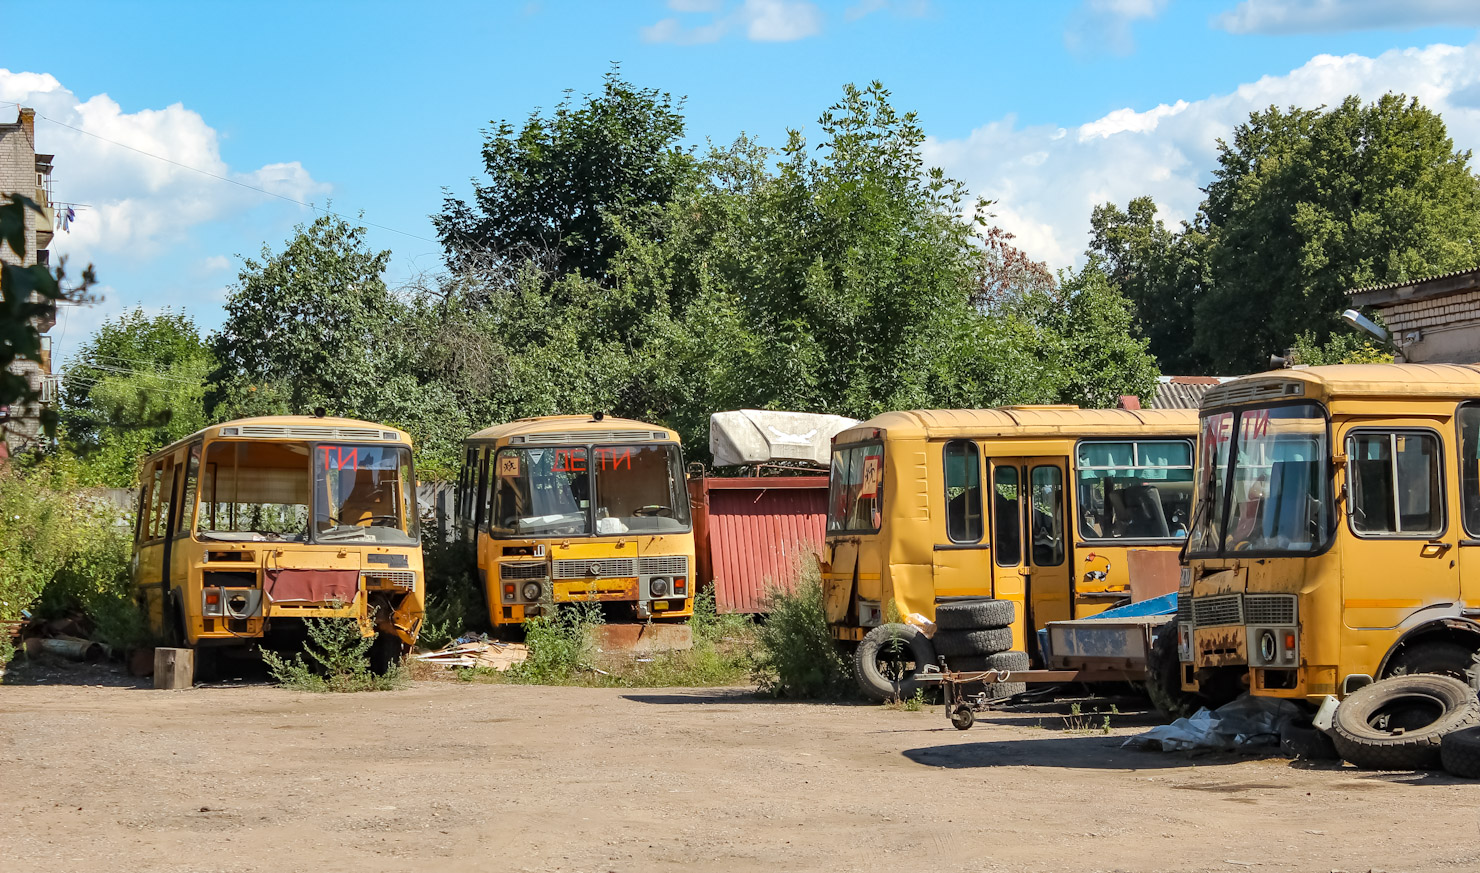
(658, 585)
(531, 591)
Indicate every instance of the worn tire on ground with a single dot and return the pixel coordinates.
(1398, 723)
(1302, 741)
(1459, 752)
(908, 645)
(987, 641)
(1164, 676)
(974, 614)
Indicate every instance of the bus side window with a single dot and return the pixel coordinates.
(1007, 525)
(1469, 466)
(141, 515)
(963, 479)
(185, 518)
(1395, 483)
(151, 529)
(1047, 512)
(169, 483)
(481, 496)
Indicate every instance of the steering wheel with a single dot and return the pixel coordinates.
(653, 509)
(1242, 545)
(390, 519)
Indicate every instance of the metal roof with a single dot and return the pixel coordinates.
(1416, 381)
(1183, 392)
(607, 429)
(290, 426)
(1025, 421)
(1408, 283)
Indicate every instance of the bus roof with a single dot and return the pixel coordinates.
(1026, 421)
(304, 427)
(575, 429)
(1337, 381)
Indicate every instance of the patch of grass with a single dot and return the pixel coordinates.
(340, 661)
(796, 654)
(561, 646)
(909, 704)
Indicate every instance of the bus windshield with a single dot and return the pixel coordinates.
(1262, 483)
(855, 488)
(364, 494)
(548, 492)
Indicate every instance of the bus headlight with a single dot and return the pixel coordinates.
(1269, 648)
(531, 591)
(658, 585)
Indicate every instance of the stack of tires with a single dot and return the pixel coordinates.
(1421, 721)
(975, 633)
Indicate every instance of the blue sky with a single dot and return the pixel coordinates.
(1048, 107)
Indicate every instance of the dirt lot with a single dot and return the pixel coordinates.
(448, 776)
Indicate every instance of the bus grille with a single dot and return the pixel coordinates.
(1184, 609)
(522, 571)
(398, 578)
(595, 568)
(1269, 609)
(664, 565)
(1221, 610)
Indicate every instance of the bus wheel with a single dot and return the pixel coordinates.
(1444, 657)
(207, 663)
(1164, 676)
(385, 653)
(889, 659)
(1399, 723)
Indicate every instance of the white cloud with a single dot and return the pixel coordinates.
(760, 20)
(1105, 25)
(137, 205)
(1046, 182)
(1324, 16)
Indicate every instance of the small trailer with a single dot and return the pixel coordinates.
(1114, 646)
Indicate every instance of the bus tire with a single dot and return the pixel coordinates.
(1164, 676)
(987, 641)
(1399, 723)
(1013, 662)
(207, 661)
(1459, 752)
(1442, 657)
(385, 653)
(973, 614)
(881, 661)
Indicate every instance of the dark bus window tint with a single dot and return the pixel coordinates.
(1396, 484)
(1006, 518)
(185, 520)
(1469, 466)
(478, 497)
(1047, 516)
(963, 477)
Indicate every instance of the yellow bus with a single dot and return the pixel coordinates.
(1337, 534)
(246, 528)
(573, 508)
(1048, 512)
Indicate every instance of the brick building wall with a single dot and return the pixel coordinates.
(22, 173)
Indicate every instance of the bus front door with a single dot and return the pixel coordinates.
(1030, 551)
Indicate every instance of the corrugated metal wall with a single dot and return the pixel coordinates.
(757, 532)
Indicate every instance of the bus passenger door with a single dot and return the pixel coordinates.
(1050, 589)
(1009, 570)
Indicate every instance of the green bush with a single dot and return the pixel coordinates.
(340, 661)
(65, 551)
(797, 656)
(560, 645)
(455, 600)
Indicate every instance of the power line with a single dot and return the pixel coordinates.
(222, 178)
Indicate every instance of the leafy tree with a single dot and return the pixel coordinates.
(1159, 271)
(1341, 348)
(1304, 205)
(553, 182)
(137, 384)
(312, 325)
(28, 295)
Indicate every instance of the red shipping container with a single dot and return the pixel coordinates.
(755, 532)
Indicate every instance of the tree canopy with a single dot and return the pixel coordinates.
(1304, 205)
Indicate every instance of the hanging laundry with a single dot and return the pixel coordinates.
(66, 217)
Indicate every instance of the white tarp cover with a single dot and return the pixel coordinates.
(1247, 721)
(758, 436)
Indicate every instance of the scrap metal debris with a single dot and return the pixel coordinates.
(476, 650)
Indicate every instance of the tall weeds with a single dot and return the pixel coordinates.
(796, 655)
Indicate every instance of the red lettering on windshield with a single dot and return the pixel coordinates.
(344, 458)
(570, 461)
(612, 459)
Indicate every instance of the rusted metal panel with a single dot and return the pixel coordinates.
(756, 532)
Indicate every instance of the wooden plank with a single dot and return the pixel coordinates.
(174, 668)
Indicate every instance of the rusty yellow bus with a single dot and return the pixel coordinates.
(1046, 511)
(574, 508)
(246, 528)
(1337, 533)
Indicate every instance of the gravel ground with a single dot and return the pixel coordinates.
(452, 776)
